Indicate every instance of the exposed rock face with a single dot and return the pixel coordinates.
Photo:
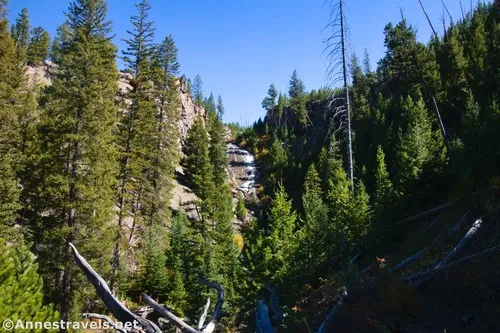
(188, 110)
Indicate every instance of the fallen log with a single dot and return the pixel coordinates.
(420, 278)
(119, 311)
(324, 326)
(436, 241)
(463, 243)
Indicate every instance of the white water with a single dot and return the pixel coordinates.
(250, 171)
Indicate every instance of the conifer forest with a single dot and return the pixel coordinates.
(368, 204)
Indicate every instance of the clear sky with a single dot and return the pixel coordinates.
(240, 47)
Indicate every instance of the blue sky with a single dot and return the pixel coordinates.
(240, 47)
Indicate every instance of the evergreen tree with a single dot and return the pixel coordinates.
(153, 278)
(313, 236)
(138, 133)
(210, 106)
(220, 108)
(184, 261)
(218, 156)
(20, 32)
(22, 296)
(165, 156)
(197, 166)
(38, 48)
(416, 146)
(140, 46)
(9, 131)
(297, 99)
(281, 241)
(77, 168)
(383, 187)
(197, 89)
(241, 210)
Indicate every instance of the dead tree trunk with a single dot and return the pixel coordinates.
(428, 20)
(124, 315)
(337, 45)
(350, 167)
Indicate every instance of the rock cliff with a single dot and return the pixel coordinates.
(188, 110)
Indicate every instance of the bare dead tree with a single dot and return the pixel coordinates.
(447, 11)
(428, 20)
(337, 46)
(462, 10)
(324, 326)
(124, 315)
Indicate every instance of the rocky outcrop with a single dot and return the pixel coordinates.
(188, 110)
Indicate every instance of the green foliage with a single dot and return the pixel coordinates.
(209, 104)
(297, 99)
(140, 45)
(22, 296)
(241, 210)
(281, 240)
(77, 162)
(197, 90)
(217, 151)
(20, 33)
(153, 278)
(197, 166)
(9, 130)
(38, 48)
(220, 108)
(384, 193)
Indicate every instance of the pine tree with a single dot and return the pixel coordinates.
(220, 108)
(22, 296)
(184, 260)
(210, 106)
(140, 45)
(241, 210)
(138, 138)
(165, 157)
(197, 166)
(38, 48)
(383, 186)
(218, 156)
(270, 101)
(153, 278)
(297, 99)
(281, 240)
(197, 89)
(416, 146)
(21, 33)
(77, 168)
(315, 225)
(9, 131)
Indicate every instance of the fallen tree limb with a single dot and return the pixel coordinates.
(426, 275)
(420, 278)
(204, 314)
(105, 318)
(436, 241)
(119, 311)
(324, 326)
(463, 243)
(169, 315)
(210, 327)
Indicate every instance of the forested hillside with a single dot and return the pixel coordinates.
(375, 201)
